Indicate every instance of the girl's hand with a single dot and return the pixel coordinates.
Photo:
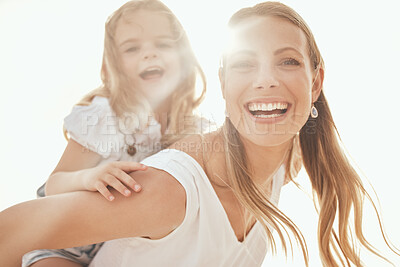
(113, 174)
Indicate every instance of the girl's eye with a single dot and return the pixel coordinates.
(242, 65)
(132, 49)
(165, 45)
(290, 62)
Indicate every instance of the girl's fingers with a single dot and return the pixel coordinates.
(126, 179)
(129, 166)
(104, 191)
(117, 185)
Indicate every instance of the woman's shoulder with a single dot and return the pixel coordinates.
(186, 159)
(191, 145)
(197, 146)
(177, 169)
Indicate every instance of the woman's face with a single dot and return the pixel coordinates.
(268, 82)
(148, 54)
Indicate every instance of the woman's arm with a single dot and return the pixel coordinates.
(79, 218)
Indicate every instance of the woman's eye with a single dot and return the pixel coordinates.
(290, 62)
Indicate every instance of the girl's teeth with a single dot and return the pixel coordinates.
(153, 69)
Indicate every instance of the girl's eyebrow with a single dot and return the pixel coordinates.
(164, 36)
(130, 40)
(243, 52)
(133, 40)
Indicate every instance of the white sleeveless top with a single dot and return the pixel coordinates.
(204, 238)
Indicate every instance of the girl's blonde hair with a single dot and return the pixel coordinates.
(126, 102)
(336, 186)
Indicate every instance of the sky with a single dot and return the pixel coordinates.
(50, 56)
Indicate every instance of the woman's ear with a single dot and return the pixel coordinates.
(221, 76)
(317, 84)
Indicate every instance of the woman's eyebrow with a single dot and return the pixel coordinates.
(287, 48)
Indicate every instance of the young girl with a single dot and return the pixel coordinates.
(216, 205)
(147, 63)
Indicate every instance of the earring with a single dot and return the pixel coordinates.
(314, 112)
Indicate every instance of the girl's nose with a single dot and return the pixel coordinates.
(150, 53)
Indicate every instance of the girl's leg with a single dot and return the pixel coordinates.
(59, 262)
(69, 257)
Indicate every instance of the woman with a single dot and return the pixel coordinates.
(212, 200)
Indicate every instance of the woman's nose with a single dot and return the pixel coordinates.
(266, 78)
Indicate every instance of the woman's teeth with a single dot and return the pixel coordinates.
(267, 110)
(266, 116)
(267, 106)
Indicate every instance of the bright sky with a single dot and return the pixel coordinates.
(50, 56)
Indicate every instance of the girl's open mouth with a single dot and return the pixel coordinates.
(151, 73)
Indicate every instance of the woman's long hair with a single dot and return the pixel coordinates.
(125, 101)
(337, 188)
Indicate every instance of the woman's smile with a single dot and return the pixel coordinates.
(267, 110)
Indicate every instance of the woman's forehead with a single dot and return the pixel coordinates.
(266, 33)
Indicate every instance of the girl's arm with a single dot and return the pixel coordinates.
(79, 218)
(77, 171)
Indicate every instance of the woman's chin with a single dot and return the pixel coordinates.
(269, 139)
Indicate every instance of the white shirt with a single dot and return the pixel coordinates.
(96, 127)
(204, 238)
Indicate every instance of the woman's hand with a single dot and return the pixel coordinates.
(115, 175)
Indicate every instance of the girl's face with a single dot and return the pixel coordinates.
(148, 54)
(268, 82)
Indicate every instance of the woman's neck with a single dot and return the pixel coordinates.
(265, 161)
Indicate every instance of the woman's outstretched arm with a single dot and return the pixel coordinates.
(79, 218)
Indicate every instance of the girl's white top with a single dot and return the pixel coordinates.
(204, 238)
(97, 128)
